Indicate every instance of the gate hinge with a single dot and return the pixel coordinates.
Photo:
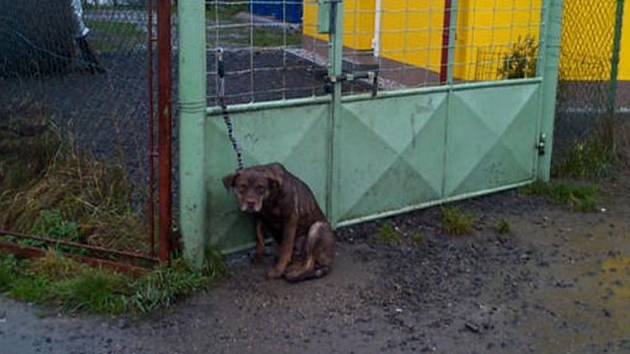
(541, 145)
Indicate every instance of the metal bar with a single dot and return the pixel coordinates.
(407, 209)
(540, 72)
(165, 126)
(31, 252)
(551, 62)
(335, 70)
(378, 23)
(452, 28)
(5, 233)
(453, 18)
(446, 36)
(192, 118)
(150, 147)
(614, 75)
(261, 106)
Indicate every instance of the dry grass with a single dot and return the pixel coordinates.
(42, 174)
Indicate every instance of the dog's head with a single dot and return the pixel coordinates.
(253, 186)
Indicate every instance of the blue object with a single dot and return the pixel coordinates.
(283, 10)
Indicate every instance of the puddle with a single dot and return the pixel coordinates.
(587, 310)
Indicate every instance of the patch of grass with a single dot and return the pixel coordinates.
(586, 159)
(388, 235)
(75, 287)
(262, 38)
(52, 224)
(55, 266)
(417, 239)
(100, 292)
(504, 227)
(579, 197)
(53, 190)
(7, 272)
(224, 12)
(30, 289)
(457, 222)
(164, 286)
(116, 28)
(114, 36)
(275, 38)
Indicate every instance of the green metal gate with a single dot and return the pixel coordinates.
(365, 156)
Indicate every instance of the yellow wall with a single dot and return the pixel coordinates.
(485, 32)
(358, 23)
(411, 33)
(624, 67)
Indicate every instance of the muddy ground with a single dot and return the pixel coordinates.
(559, 282)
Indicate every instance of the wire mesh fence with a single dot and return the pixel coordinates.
(74, 83)
(586, 69)
(263, 56)
(274, 50)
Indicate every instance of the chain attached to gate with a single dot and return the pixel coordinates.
(226, 116)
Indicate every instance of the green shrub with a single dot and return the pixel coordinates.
(522, 60)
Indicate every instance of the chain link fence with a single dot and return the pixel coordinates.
(587, 86)
(74, 120)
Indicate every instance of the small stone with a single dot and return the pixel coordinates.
(472, 327)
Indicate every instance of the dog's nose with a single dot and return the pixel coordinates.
(251, 205)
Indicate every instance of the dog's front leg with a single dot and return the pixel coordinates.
(260, 242)
(286, 249)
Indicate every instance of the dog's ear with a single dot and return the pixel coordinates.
(229, 181)
(275, 175)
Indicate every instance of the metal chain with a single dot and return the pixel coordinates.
(226, 116)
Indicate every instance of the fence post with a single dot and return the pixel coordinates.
(335, 71)
(192, 108)
(550, 40)
(614, 74)
(165, 127)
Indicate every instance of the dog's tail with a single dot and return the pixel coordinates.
(311, 274)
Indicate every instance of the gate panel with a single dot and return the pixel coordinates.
(293, 136)
(492, 136)
(388, 155)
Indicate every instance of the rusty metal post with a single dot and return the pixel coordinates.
(150, 142)
(446, 39)
(165, 124)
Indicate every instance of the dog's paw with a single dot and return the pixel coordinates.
(293, 276)
(274, 273)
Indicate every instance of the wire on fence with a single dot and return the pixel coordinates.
(274, 50)
(79, 79)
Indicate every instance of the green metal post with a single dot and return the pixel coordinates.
(334, 71)
(454, 12)
(551, 36)
(450, 80)
(192, 104)
(614, 75)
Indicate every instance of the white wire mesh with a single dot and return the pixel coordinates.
(275, 52)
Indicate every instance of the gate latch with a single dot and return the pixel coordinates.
(542, 142)
(371, 76)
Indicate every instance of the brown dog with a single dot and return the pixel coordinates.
(285, 207)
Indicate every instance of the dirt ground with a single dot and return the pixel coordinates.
(560, 282)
